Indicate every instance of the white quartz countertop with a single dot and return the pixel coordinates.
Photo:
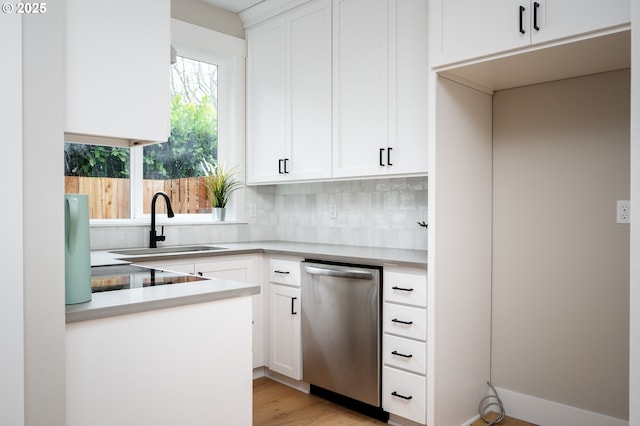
(332, 252)
(129, 301)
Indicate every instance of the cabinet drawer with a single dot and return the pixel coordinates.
(284, 272)
(397, 384)
(405, 321)
(400, 287)
(404, 353)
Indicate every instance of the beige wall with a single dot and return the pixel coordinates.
(560, 261)
(205, 15)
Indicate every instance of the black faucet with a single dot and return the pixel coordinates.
(153, 236)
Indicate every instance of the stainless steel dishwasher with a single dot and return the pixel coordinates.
(341, 310)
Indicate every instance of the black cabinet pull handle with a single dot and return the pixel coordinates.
(521, 18)
(402, 322)
(536, 6)
(280, 166)
(281, 272)
(292, 310)
(285, 166)
(389, 157)
(381, 163)
(401, 354)
(401, 289)
(394, 393)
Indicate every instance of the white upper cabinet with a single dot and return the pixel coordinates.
(337, 89)
(467, 29)
(265, 101)
(380, 70)
(408, 97)
(117, 57)
(289, 93)
(360, 89)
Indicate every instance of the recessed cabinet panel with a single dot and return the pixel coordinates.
(285, 347)
(360, 86)
(309, 143)
(117, 69)
(408, 94)
(266, 100)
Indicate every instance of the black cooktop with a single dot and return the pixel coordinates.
(120, 277)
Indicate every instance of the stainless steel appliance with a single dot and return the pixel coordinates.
(341, 311)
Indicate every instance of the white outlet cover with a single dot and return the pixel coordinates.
(623, 211)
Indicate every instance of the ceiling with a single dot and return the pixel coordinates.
(233, 5)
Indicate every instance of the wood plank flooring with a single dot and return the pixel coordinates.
(278, 404)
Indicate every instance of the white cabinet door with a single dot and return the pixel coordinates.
(565, 18)
(289, 92)
(408, 95)
(463, 29)
(244, 269)
(266, 101)
(466, 29)
(117, 68)
(360, 87)
(309, 83)
(285, 339)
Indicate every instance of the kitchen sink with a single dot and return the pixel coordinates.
(165, 250)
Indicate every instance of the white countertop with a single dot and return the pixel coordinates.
(333, 252)
(127, 301)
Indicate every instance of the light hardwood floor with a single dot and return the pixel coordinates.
(277, 404)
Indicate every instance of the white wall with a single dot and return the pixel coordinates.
(43, 229)
(11, 302)
(560, 260)
(634, 373)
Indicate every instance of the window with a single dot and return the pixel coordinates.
(121, 182)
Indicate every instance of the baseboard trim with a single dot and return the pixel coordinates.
(548, 413)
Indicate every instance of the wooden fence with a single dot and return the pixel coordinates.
(109, 198)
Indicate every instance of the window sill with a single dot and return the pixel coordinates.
(163, 221)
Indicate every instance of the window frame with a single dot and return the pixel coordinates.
(229, 54)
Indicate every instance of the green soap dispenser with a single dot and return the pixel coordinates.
(77, 251)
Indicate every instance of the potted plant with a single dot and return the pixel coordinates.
(220, 182)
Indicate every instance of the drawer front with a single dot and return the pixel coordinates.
(405, 321)
(404, 353)
(404, 394)
(406, 288)
(284, 272)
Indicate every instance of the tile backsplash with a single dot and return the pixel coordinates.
(373, 213)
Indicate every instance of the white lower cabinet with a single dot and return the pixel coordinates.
(243, 268)
(404, 343)
(285, 354)
(285, 340)
(404, 394)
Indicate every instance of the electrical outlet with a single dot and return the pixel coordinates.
(251, 211)
(623, 211)
(333, 211)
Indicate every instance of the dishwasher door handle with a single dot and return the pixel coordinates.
(341, 273)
